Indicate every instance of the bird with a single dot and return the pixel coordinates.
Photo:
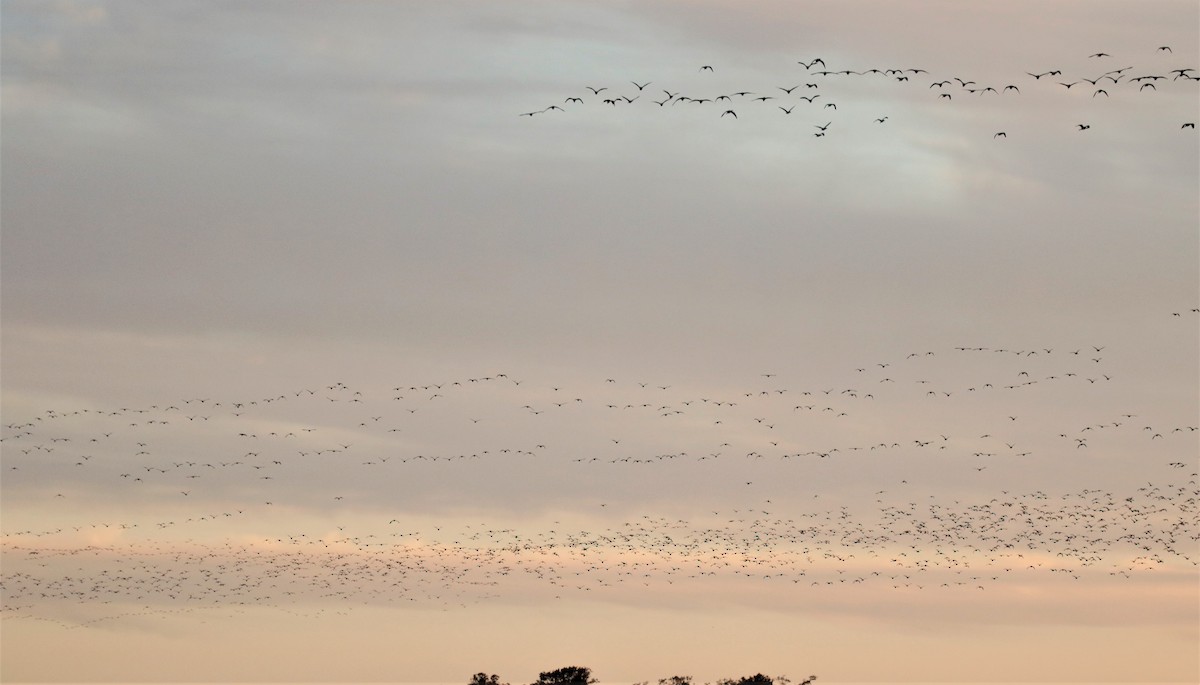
(1000, 134)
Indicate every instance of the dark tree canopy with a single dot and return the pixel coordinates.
(571, 675)
(756, 679)
(579, 675)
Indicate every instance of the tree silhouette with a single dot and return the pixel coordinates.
(756, 679)
(579, 675)
(570, 675)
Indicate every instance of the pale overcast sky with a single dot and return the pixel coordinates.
(367, 342)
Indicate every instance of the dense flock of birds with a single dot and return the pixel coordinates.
(825, 96)
(464, 489)
(322, 498)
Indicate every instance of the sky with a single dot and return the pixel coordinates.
(366, 342)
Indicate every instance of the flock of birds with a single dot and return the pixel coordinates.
(460, 490)
(817, 90)
(319, 499)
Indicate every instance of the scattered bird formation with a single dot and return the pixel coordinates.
(817, 80)
(314, 500)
